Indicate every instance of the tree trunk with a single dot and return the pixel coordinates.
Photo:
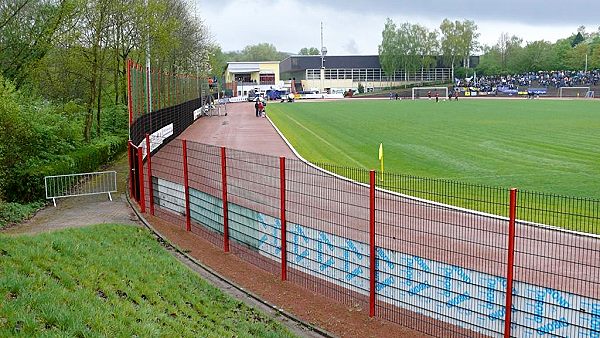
(99, 109)
(116, 69)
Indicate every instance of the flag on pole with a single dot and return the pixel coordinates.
(381, 159)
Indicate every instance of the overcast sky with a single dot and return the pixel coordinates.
(354, 27)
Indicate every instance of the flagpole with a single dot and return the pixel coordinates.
(381, 159)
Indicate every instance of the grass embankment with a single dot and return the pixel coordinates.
(113, 280)
(536, 145)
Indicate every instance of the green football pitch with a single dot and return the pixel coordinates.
(549, 146)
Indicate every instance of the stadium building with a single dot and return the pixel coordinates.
(242, 77)
(330, 74)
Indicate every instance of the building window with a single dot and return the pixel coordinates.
(267, 79)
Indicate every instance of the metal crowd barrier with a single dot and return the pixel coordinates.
(95, 183)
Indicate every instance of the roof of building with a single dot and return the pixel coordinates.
(302, 62)
(247, 67)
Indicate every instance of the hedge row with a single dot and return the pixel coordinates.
(27, 183)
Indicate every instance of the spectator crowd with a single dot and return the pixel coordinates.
(545, 79)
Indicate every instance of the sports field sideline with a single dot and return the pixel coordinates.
(550, 146)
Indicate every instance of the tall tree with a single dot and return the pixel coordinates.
(388, 49)
(594, 58)
(459, 40)
(427, 45)
(409, 42)
(260, 52)
(27, 32)
(309, 51)
(450, 37)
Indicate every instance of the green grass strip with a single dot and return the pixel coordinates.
(113, 280)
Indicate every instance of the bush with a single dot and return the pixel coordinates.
(38, 138)
(460, 72)
(26, 183)
(15, 212)
(361, 88)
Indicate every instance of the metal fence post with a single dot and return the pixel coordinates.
(188, 223)
(129, 157)
(372, 262)
(148, 159)
(511, 261)
(283, 221)
(140, 173)
(225, 209)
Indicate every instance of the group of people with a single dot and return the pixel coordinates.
(546, 79)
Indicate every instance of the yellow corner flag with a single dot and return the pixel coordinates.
(381, 159)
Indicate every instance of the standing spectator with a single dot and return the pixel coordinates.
(256, 107)
(261, 108)
(437, 96)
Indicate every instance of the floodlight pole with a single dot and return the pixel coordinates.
(148, 76)
(323, 53)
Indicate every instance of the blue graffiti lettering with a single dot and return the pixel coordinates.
(385, 283)
(301, 256)
(381, 254)
(595, 321)
(327, 264)
(422, 264)
(462, 274)
(346, 261)
(538, 307)
(354, 249)
(447, 282)
(276, 230)
(320, 252)
(262, 240)
(300, 232)
(458, 299)
(498, 315)
(490, 294)
(326, 240)
(356, 272)
(409, 271)
(557, 296)
(419, 288)
(553, 326)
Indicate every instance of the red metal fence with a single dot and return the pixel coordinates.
(434, 255)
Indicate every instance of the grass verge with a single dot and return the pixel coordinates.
(113, 280)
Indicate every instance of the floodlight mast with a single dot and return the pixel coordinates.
(148, 73)
(323, 53)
